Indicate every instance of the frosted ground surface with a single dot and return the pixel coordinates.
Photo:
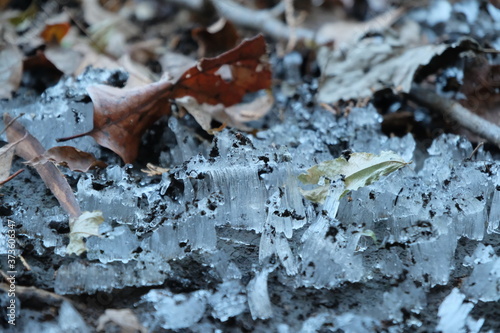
(225, 240)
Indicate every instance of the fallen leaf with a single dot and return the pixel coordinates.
(30, 148)
(154, 170)
(251, 111)
(121, 116)
(11, 69)
(64, 59)
(42, 68)
(54, 33)
(345, 32)
(124, 318)
(358, 170)
(233, 116)
(219, 37)
(175, 64)
(480, 85)
(248, 71)
(70, 157)
(371, 66)
(108, 31)
(481, 82)
(81, 227)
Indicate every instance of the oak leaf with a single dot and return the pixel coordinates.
(121, 116)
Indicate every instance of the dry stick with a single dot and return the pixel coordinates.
(292, 24)
(262, 20)
(11, 176)
(458, 113)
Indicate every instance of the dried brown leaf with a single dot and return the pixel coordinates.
(234, 116)
(124, 318)
(154, 170)
(70, 157)
(121, 116)
(30, 148)
(219, 37)
(248, 68)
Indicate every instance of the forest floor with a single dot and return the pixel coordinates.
(250, 166)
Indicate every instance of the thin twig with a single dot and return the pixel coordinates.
(262, 20)
(292, 24)
(479, 145)
(11, 177)
(11, 122)
(457, 113)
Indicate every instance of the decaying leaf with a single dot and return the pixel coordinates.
(64, 59)
(344, 32)
(55, 32)
(11, 69)
(233, 116)
(70, 157)
(30, 148)
(480, 86)
(39, 63)
(219, 37)
(121, 116)
(124, 318)
(371, 66)
(247, 69)
(360, 169)
(154, 170)
(83, 226)
(175, 64)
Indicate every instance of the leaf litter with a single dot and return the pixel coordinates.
(355, 171)
(121, 116)
(236, 118)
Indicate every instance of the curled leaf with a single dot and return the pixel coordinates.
(154, 170)
(85, 225)
(358, 170)
(220, 36)
(228, 77)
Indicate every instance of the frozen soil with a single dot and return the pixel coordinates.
(224, 240)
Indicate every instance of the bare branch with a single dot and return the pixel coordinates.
(458, 113)
(262, 20)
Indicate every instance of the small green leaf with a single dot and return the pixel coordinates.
(360, 170)
(369, 233)
(81, 227)
(317, 194)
